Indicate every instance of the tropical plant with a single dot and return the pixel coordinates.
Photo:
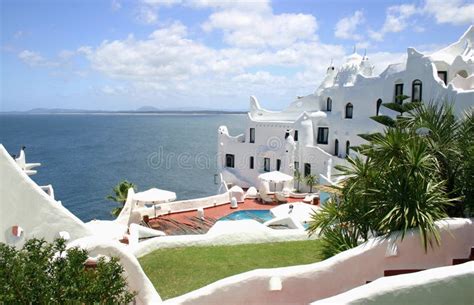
(408, 177)
(310, 181)
(48, 273)
(298, 179)
(120, 195)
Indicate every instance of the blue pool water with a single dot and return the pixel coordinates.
(258, 215)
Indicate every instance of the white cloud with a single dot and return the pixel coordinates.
(253, 29)
(455, 12)
(397, 20)
(168, 62)
(162, 2)
(246, 5)
(33, 59)
(346, 27)
(146, 15)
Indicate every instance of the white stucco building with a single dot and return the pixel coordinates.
(315, 132)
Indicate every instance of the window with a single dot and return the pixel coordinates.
(329, 104)
(444, 76)
(398, 93)
(297, 166)
(229, 160)
(307, 169)
(348, 147)
(252, 135)
(379, 103)
(323, 135)
(336, 147)
(416, 89)
(349, 110)
(266, 164)
(296, 135)
(287, 134)
(251, 163)
(278, 164)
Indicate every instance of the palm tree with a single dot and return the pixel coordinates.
(298, 178)
(406, 180)
(310, 181)
(120, 195)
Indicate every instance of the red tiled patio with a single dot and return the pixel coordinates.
(188, 222)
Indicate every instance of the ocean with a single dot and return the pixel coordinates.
(84, 156)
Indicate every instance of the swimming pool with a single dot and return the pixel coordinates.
(258, 215)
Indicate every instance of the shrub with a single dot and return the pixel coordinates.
(47, 273)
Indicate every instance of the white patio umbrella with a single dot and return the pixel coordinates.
(275, 177)
(155, 196)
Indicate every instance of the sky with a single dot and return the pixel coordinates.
(202, 54)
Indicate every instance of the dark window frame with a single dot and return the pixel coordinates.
(417, 83)
(397, 93)
(230, 160)
(252, 162)
(349, 113)
(379, 104)
(296, 136)
(336, 147)
(252, 135)
(307, 169)
(265, 167)
(278, 164)
(329, 104)
(297, 166)
(323, 137)
(444, 77)
(348, 147)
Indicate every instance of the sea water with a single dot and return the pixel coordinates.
(84, 156)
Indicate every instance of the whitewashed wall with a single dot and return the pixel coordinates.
(23, 203)
(437, 286)
(307, 283)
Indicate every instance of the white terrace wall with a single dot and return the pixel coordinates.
(23, 203)
(438, 286)
(307, 283)
(185, 205)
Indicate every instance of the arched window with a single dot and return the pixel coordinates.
(349, 110)
(379, 103)
(416, 91)
(329, 104)
(336, 147)
(348, 146)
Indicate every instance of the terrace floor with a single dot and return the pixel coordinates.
(189, 223)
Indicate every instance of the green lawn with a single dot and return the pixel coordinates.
(180, 270)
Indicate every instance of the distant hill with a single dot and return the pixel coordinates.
(144, 109)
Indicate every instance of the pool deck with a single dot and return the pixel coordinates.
(169, 223)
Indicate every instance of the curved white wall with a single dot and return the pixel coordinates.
(307, 283)
(437, 286)
(136, 278)
(23, 203)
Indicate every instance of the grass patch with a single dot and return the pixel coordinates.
(174, 272)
